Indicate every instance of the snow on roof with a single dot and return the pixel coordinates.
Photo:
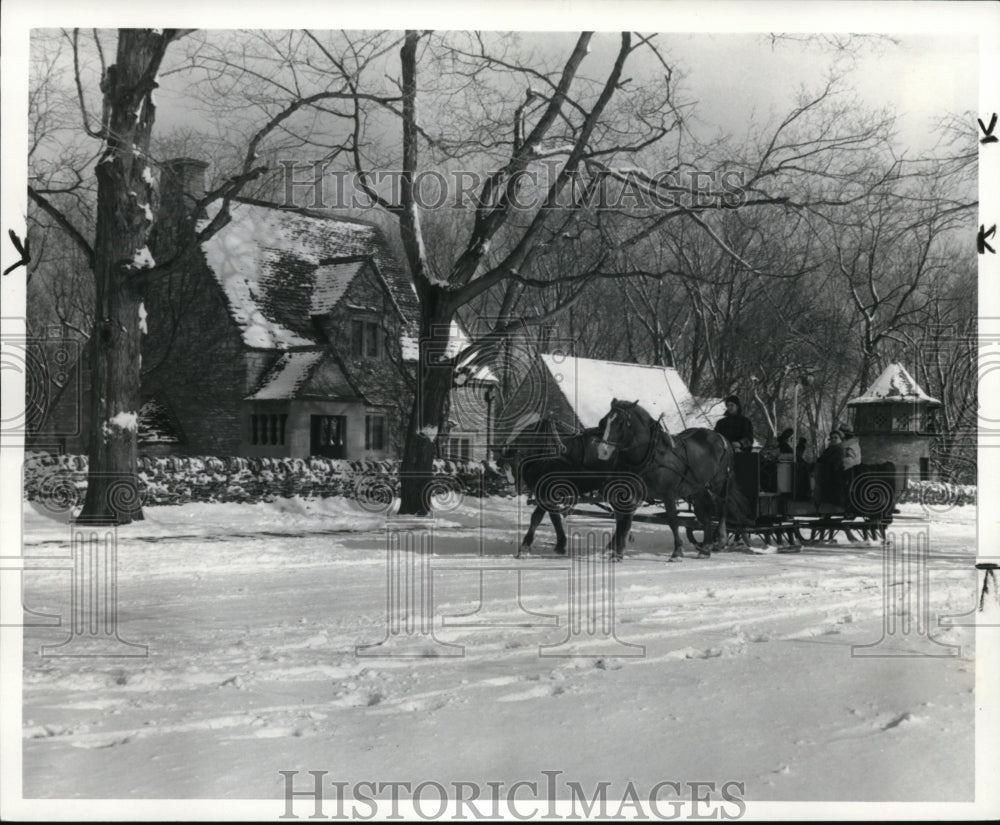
(287, 375)
(457, 341)
(894, 384)
(267, 262)
(590, 385)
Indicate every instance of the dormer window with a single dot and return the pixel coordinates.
(365, 338)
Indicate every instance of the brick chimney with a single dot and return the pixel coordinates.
(182, 184)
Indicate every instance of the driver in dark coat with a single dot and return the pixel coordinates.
(736, 427)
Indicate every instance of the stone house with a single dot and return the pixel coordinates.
(289, 333)
(282, 336)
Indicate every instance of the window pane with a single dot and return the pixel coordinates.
(357, 338)
(372, 339)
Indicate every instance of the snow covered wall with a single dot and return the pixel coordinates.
(182, 479)
(61, 481)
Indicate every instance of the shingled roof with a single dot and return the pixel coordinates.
(278, 267)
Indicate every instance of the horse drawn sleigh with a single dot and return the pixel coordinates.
(629, 461)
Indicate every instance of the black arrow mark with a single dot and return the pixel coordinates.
(990, 137)
(22, 250)
(981, 244)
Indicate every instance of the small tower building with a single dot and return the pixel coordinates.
(895, 420)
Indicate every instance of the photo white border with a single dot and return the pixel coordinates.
(18, 17)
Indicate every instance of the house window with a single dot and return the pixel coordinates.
(365, 339)
(457, 449)
(330, 431)
(328, 436)
(374, 432)
(267, 429)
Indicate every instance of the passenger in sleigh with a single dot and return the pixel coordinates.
(830, 488)
(851, 464)
(735, 426)
(769, 466)
(803, 472)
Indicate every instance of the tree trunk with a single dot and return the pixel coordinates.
(435, 375)
(123, 222)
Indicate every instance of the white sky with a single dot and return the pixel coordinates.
(933, 72)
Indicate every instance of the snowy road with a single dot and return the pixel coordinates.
(745, 673)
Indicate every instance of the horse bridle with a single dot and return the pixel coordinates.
(627, 425)
(654, 432)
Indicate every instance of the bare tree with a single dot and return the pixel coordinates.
(115, 245)
(119, 251)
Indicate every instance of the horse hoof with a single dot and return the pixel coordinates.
(559, 550)
(704, 554)
(676, 558)
(522, 551)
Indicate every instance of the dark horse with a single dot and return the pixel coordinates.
(695, 464)
(557, 469)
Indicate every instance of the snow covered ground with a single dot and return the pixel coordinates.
(741, 668)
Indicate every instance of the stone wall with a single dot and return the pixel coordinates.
(181, 479)
(901, 449)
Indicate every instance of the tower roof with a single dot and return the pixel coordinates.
(894, 385)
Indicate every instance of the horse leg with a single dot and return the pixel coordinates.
(623, 523)
(557, 525)
(670, 509)
(703, 512)
(536, 518)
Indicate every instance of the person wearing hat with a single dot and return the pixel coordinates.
(830, 471)
(785, 442)
(736, 427)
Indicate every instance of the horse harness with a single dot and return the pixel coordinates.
(655, 432)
